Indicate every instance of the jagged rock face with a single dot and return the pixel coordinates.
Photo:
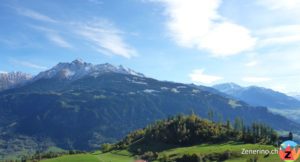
(78, 69)
(10, 80)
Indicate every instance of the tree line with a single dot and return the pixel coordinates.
(188, 130)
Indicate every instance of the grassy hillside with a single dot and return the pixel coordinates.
(75, 158)
(114, 156)
(205, 149)
(186, 138)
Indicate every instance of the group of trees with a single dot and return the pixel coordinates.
(190, 130)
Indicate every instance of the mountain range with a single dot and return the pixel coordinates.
(259, 96)
(79, 105)
(10, 80)
(295, 95)
(78, 69)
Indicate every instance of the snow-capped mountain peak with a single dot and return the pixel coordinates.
(12, 79)
(228, 87)
(78, 69)
(78, 61)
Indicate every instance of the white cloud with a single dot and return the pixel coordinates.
(106, 37)
(280, 65)
(58, 40)
(100, 34)
(280, 40)
(227, 39)
(280, 4)
(199, 77)
(35, 15)
(256, 79)
(28, 64)
(281, 30)
(53, 36)
(3, 72)
(279, 88)
(251, 63)
(285, 34)
(197, 23)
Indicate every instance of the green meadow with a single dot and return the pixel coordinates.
(204, 149)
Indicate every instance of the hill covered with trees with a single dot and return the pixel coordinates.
(185, 131)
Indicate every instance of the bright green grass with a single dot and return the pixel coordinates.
(74, 158)
(55, 149)
(220, 148)
(125, 156)
(215, 148)
(205, 149)
(114, 156)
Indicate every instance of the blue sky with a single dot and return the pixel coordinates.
(251, 42)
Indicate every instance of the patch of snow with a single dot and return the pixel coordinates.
(78, 69)
(68, 73)
(87, 68)
(150, 91)
(195, 91)
(13, 79)
(137, 82)
(174, 90)
(164, 88)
